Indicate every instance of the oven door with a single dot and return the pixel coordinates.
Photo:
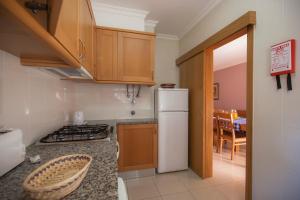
(122, 192)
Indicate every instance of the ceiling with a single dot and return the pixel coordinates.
(176, 17)
(232, 53)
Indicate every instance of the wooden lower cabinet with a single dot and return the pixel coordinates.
(138, 146)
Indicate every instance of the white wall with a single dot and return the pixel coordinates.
(165, 68)
(31, 100)
(276, 128)
(119, 17)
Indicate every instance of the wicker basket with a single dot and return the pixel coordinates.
(58, 177)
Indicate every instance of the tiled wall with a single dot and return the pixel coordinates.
(32, 100)
(110, 101)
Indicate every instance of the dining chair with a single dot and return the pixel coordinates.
(242, 113)
(227, 132)
(216, 131)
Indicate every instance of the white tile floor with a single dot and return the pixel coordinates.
(226, 184)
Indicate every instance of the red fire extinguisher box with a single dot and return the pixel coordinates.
(283, 58)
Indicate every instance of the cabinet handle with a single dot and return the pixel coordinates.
(118, 150)
(80, 50)
(84, 52)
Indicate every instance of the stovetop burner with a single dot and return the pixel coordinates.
(78, 133)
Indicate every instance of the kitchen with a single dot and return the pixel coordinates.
(36, 101)
(83, 66)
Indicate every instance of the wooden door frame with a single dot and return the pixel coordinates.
(243, 25)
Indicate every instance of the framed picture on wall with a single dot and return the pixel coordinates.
(216, 91)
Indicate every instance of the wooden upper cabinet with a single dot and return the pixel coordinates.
(106, 55)
(42, 16)
(135, 57)
(86, 35)
(72, 23)
(64, 24)
(138, 146)
(124, 56)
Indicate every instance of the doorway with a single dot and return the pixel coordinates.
(229, 116)
(208, 65)
(196, 73)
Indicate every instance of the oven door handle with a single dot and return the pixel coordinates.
(118, 150)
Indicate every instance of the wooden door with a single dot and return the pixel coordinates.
(86, 35)
(192, 77)
(135, 57)
(138, 146)
(64, 24)
(106, 55)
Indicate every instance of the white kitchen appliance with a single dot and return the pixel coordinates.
(71, 72)
(78, 118)
(12, 149)
(172, 113)
(122, 192)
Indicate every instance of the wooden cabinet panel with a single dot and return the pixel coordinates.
(135, 57)
(191, 77)
(42, 16)
(138, 146)
(72, 23)
(106, 56)
(64, 24)
(86, 35)
(25, 37)
(124, 56)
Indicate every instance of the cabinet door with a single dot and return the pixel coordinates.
(138, 146)
(135, 57)
(86, 35)
(106, 56)
(64, 24)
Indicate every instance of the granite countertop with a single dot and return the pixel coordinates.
(99, 183)
(101, 180)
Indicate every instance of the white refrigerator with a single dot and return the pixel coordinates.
(172, 113)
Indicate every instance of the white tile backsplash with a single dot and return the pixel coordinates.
(99, 101)
(32, 100)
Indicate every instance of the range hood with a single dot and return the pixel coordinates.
(72, 73)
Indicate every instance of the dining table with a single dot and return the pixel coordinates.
(240, 124)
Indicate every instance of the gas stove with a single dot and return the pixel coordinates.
(78, 133)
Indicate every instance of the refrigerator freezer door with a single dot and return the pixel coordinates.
(172, 100)
(173, 141)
